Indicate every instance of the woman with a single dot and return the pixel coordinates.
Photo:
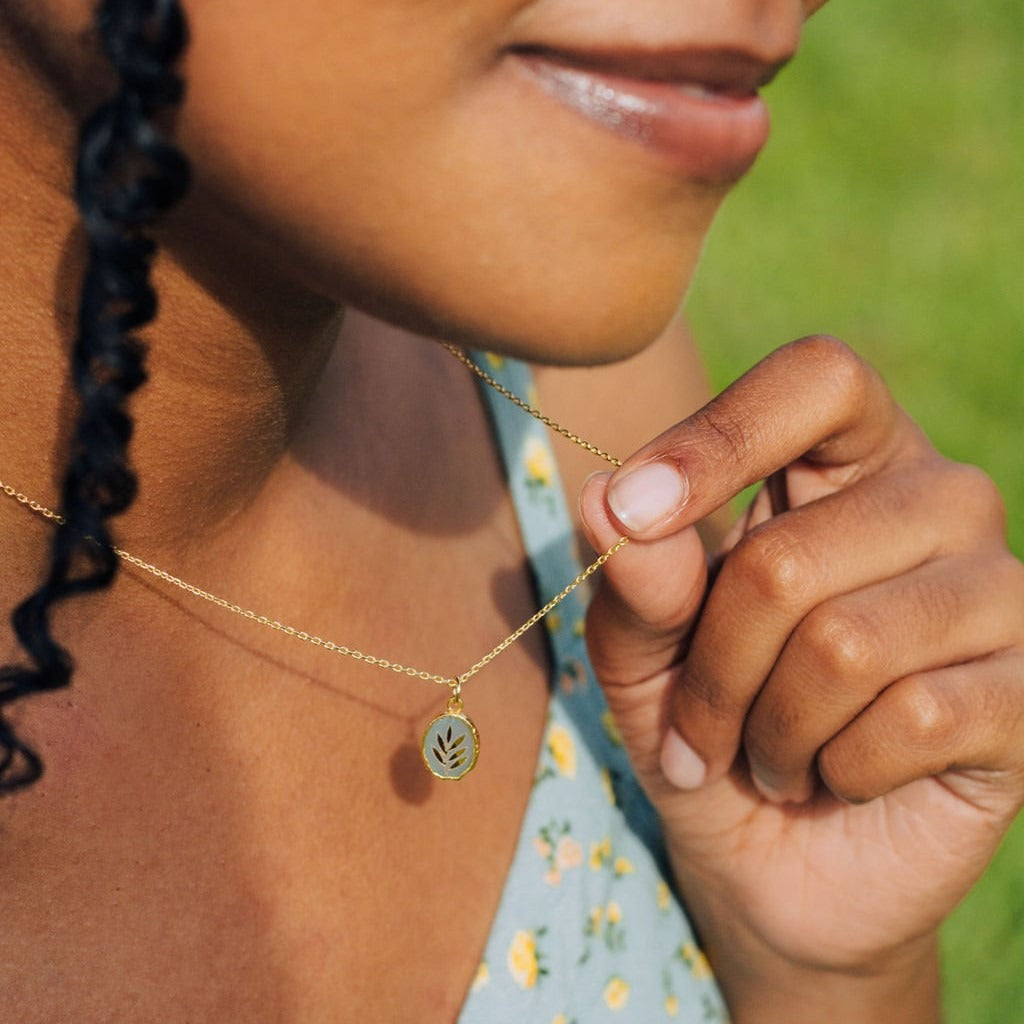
(233, 826)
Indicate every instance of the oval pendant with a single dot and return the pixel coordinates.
(451, 745)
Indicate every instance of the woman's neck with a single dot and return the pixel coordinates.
(233, 356)
(249, 433)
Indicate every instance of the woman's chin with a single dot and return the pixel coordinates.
(590, 322)
(592, 336)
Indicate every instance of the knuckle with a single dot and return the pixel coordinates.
(825, 348)
(845, 370)
(739, 435)
(775, 566)
(975, 494)
(924, 717)
(842, 643)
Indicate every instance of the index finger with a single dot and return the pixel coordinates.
(813, 399)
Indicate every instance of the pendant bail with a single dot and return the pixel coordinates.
(455, 700)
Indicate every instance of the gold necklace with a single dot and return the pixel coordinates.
(451, 742)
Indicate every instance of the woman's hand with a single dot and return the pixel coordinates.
(832, 727)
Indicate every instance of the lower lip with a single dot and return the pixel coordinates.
(706, 136)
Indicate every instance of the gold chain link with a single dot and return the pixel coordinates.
(351, 652)
(526, 407)
(25, 500)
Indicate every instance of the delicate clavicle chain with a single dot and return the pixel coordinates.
(532, 410)
(451, 743)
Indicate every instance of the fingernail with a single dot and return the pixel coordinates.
(770, 794)
(646, 496)
(793, 794)
(680, 763)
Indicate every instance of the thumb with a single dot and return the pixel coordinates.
(813, 400)
(639, 622)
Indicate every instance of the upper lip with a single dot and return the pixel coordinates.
(726, 70)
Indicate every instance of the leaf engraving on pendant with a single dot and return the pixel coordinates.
(450, 746)
(448, 752)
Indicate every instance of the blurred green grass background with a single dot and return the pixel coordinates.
(889, 210)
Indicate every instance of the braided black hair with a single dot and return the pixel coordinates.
(127, 175)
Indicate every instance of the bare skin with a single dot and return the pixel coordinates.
(300, 875)
(205, 846)
(312, 857)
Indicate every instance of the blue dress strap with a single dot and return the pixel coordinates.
(588, 929)
(538, 497)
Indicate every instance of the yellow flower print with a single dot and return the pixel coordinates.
(594, 921)
(623, 866)
(614, 912)
(611, 728)
(481, 978)
(664, 896)
(532, 395)
(606, 786)
(695, 959)
(542, 846)
(563, 750)
(540, 468)
(560, 1019)
(616, 994)
(579, 627)
(495, 360)
(671, 1005)
(600, 853)
(522, 959)
(553, 622)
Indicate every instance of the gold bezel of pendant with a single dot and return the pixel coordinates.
(449, 749)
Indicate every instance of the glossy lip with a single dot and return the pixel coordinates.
(700, 110)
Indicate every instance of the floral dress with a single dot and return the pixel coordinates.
(588, 930)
